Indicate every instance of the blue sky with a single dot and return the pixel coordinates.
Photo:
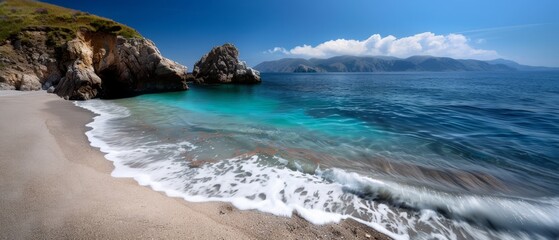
(526, 31)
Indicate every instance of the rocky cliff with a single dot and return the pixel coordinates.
(94, 64)
(99, 58)
(109, 66)
(222, 65)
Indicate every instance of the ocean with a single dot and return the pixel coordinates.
(461, 155)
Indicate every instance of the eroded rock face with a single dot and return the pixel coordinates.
(28, 64)
(222, 65)
(92, 65)
(79, 83)
(111, 67)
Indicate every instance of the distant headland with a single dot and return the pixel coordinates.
(391, 64)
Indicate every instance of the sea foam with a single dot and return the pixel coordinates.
(327, 196)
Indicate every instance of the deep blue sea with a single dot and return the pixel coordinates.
(460, 155)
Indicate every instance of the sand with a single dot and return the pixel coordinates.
(54, 185)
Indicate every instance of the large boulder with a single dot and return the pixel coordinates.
(80, 82)
(9, 79)
(222, 65)
(30, 82)
(14, 80)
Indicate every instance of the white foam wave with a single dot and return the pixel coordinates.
(505, 213)
(250, 182)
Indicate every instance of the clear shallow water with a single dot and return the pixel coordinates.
(415, 155)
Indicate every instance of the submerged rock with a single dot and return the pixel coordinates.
(222, 65)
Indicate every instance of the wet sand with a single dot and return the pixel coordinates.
(53, 184)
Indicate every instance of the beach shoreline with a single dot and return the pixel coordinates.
(53, 184)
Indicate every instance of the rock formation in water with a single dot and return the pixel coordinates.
(99, 58)
(222, 65)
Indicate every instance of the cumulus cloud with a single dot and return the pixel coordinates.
(427, 43)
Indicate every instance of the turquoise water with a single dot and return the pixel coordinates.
(415, 155)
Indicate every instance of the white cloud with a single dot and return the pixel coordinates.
(427, 43)
(277, 50)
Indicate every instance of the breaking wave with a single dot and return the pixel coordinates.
(269, 183)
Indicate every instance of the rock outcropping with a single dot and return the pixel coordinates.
(222, 65)
(94, 64)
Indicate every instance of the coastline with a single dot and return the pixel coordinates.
(53, 184)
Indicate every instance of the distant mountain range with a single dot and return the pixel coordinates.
(391, 64)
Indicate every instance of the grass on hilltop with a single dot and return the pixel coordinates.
(62, 23)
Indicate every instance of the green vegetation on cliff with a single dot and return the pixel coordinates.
(60, 23)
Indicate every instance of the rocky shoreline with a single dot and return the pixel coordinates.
(94, 64)
(104, 65)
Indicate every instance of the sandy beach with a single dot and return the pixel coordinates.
(54, 185)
